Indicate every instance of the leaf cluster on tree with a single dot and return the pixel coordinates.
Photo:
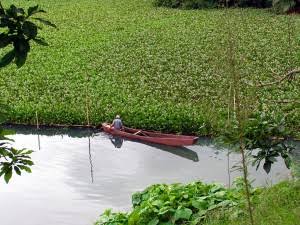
(18, 29)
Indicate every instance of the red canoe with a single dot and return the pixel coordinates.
(153, 137)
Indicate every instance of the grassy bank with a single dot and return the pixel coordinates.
(159, 68)
(278, 205)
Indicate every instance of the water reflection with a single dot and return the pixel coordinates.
(52, 131)
(116, 141)
(179, 151)
(91, 161)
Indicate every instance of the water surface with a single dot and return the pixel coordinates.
(78, 174)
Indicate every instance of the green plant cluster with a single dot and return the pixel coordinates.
(188, 4)
(203, 4)
(17, 32)
(176, 204)
(278, 205)
(160, 69)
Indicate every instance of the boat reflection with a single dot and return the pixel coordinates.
(179, 151)
(116, 141)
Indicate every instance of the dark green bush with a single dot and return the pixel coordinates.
(187, 4)
(201, 4)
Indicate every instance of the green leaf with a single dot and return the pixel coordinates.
(22, 48)
(8, 175)
(183, 213)
(28, 152)
(26, 168)
(41, 41)
(200, 204)
(154, 221)
(5, 40)
(288, 162)
(31, 10)
(18, 171)
(46, 22)
(8, 58)
(158, 203)
(267, 166)
(30, 29)
(28, 162)
(34, 9)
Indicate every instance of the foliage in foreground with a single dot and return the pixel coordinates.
(277, 205)
(202, 4)
(177, 204)
(18, 30)
(279, 6)
(265, 137)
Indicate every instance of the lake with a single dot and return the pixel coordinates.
(79, 173)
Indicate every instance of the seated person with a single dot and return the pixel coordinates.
(117, 123)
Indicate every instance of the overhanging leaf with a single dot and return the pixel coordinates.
(8, 175)
(30, 29)
(41, 41)
(267, 166)
(5, 40)
(7, 58)
(34, 9)
(46, 22)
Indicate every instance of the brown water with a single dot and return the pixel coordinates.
(77, 175)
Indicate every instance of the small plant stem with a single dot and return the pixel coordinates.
(245, 175)
(87, 101)
(237, 110)
(1, 7)
(37, 120)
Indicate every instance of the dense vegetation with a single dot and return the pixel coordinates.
(159, 68)
(176, 204)
(198, 203)
(278, 6)
(278, 205)
(202, 4)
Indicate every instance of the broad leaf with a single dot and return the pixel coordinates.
(8, 175)
(30, 29)
(18, 171)
(8, 58)
(41, 41)
(34, 9)
(183, 213)
(26, 168)
(267, 166)
(5, 40)
(22, 48)
(154, 221)
(46, 22)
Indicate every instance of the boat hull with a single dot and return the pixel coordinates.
(152, 137)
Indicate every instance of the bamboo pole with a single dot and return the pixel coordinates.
(236, 80)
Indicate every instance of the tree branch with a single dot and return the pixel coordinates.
(288, 75)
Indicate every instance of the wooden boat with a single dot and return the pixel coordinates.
(148, 136)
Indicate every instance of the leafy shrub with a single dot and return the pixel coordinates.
(187, 4)
(202, 4)
(283, 6)
(176, 204)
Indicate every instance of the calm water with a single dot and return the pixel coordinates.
(77, 174)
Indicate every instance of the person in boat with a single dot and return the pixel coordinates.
(117, 123)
